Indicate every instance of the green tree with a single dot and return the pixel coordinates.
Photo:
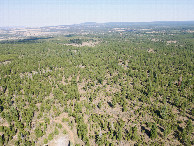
(38, 132)
(45, 141)
(189, 127)
(114, 102)
(153, 132)
(50, 136)
(56, 132)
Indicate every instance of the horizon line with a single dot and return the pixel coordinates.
(96, 23)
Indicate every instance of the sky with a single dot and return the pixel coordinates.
(63, 12)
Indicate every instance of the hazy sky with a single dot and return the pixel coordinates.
(59, 12)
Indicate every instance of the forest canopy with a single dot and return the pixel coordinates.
(135, 86)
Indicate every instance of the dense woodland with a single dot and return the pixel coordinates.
(132, 88)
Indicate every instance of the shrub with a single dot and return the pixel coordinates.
(45, 141)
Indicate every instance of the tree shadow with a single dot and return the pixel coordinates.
(180, 128)
(110, 104)
(171, 103)
(160, 135)
(190, 117)
(69, 144)
(146, 130)
(158, 113)
(161, 129)
(176, 135)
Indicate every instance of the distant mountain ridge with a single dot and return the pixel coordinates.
(140, 23)
(176, 23)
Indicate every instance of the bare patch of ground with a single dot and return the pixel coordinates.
(171, 42)
(5, 62)
(72, 133)
(151, 51)
(61, 140)
(81, 66)
(3, 122)
(28, 74)
(155, 40)
(89, 44)
(80, 87)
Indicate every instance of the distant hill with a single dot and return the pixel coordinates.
(88, 23)
(143, 23)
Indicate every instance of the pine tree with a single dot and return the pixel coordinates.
(153, 133)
